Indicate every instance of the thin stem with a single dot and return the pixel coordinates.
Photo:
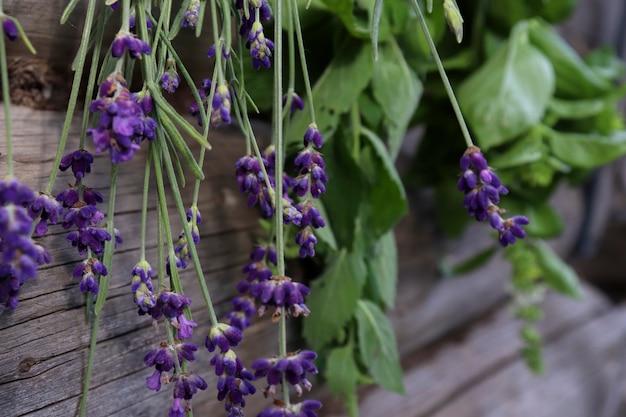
(92, 354)
(144, 206)
(91, 81)
(278, 180)
(71, 105)
(192, 247)
(6, 97)
(305, 71)
(126, 16)
(443, 75)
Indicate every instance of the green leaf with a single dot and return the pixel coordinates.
(576, 109)
(386, 196)
(382, 266)
(508, 94)
(557, 274)
(398, 90)
(357, 17)
(345, 193)
(342, 376)
(377, 344)
(574, 78)
(587, 150)
(604, 62)
(334, 298)
(339, 87)
(526, 150)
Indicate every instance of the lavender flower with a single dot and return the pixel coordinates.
(141, 287)
(19, 254)
(170, 305)
(233, 383)
(47, 209)
(182, 251)
(304, 409)
(211, 52)
(311, 173)
(243, 310)
(306, 239)
(220, 106)
(10, 29)
(190, 19)
(125, 41)
(260, 47)
(482, 189)
(80, 161)
(313, 136)
(223, 337)
(123, 122)
(88, 271)
(296, 102)
(163, 361)
(252, 182)
(86, 218)
(294, 367)
(170, 81)
(280, 291)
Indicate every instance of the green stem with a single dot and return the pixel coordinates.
(126, 16)
(303, 65)
(71, 106)
(6, 97)
(183, 216)
(278, 170)
(91, 81)
(144, 206)
(442, 74)
(82, 411)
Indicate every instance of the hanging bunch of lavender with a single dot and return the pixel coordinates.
(24, 214)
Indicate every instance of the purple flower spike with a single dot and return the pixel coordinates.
(233, 383)
(223, 337)
(260, 47)
(482, 189)
(190, 19)
(10, 29)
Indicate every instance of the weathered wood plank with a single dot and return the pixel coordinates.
(448, 370)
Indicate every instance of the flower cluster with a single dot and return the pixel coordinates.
(182, 252)
(20, 255)
(168, 358)
(309, 184)
(82, 215)
(141, 286)
(123, 122)
(279, 292)
(251, 29)
(170, 80)
(190, 19)
(126, 41)
(233, 382)
(482, 189)
(220, 105)
(293, 367)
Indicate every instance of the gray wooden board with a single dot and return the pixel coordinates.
(480, 373)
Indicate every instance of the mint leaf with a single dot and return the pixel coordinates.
(382, 266)
(334, 297)
(377, 344)
(509, 94)
(342, 376)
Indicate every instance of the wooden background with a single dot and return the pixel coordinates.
(457, 338)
